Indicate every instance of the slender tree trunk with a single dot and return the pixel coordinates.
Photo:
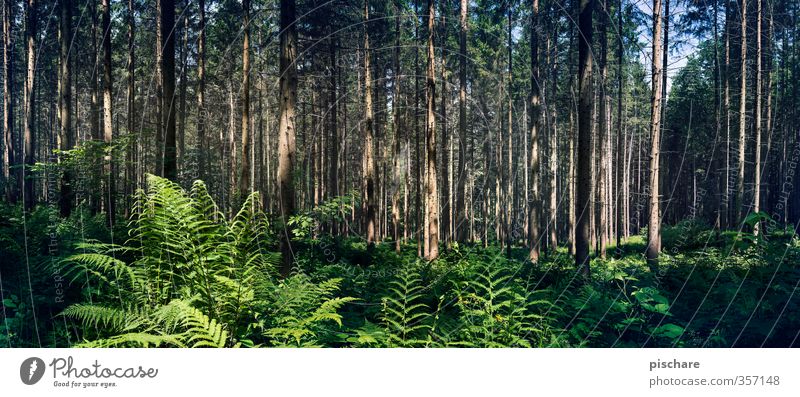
(534, 221)
(168, 84)
(67, 139)
(446, 208)
(620, 164)
(431, 190)
(742, 120)
(201, 90)
(131, 154)
(286, 129)
(757, 117)
(726, 103)
(604, 129)
(396, 139)
(108, 128)
(417, 133)
(184, 53)
(461, 214)
(245, 183)
(333, 146)
(654, 218)
(584, 160)
(29, 138)
(9, 157)
(370, 193)
(553, 160)
(160, 87)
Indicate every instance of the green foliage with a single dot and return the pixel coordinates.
(188, 277)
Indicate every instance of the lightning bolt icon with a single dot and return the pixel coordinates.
(32, 370)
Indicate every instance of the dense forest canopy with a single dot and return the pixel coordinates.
(596, 156)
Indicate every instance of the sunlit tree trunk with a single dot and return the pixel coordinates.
(245, 183)
(584, 142)
(431, 190)
(29, 137)
(757, 117)
(286, 128)
(108, 127)
(534, 221)
(461, 213)
(201, 90)
(742, 119)
(371, 192)
(654, 217)
(396, 138)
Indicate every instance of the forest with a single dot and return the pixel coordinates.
(400, 173)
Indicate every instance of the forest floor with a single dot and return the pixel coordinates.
(177, 276)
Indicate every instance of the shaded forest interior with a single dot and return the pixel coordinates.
(400, 173)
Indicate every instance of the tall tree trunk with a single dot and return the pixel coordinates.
(726, 103)
(553, 160)
(461, 214)
(417, 133)
(29, 138)
(160, 88)
(9, 157)
(201, 90)
(509, 210)
(445, 206)
(245, 183)
(396, 138)
(184, 54)
(370, 175)
(757, 117)
(168, 84)
(619, 163)
(431, 190)
(333, 139)
(742, 119)
(131, 154)
(67, 139)
(534, 221)
(604, 128)
(584, 160)
(654, 218)
(108, 129)
(286, 128)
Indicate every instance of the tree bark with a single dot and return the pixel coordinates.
(445, 206)
(584, 160)
(757, 121)
(201, 90)
(9, 157)
(461, 214)
(168, 84)
(29, 138)
(654, 218)
(742, 120)
(620, 164)
(534, 223)
(245, 183)
(370, 193)
(286, 129)
(66, 137)
(604, 129)
(396, 139)
(131, 156)
(108, 129)
(431, 190)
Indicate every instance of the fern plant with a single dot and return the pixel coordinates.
(403, 312)
(189, 277)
